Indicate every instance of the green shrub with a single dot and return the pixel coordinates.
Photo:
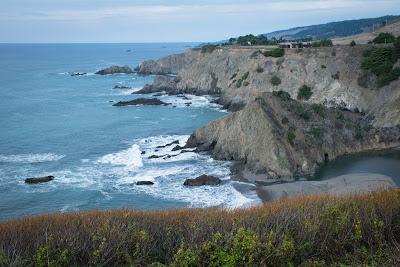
(321, 43)
(318, 109)
(245, 76)
(285, 96)
(277, 52)
(260, 69)
(380, 61)
(304, 93)
(353, 43)
(302, 111)
(239, 83)
(317, 133)
(323, 67)
(246, 83)
(291, 136)
(233, 76)
(275, 81)
(208, 48)
(384, 38)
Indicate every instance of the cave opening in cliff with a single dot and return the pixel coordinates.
(326, 157)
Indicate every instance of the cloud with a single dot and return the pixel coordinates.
(182, 10)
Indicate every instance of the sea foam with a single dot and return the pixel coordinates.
(30, 158)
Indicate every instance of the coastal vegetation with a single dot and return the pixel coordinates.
(208, 48)
(304, 93)
(381, 61)
(275, 80)
(277, 52)
(321, 43)
(312, 230)
(384, 38)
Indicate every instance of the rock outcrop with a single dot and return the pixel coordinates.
(144, 183)
(115, 70)
(202, 180)
(38, 180)
(345, 184)
(280, 137)
(238, 75)
(141, 101)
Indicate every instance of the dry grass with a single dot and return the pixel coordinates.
(309, 231)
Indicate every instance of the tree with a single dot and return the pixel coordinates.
(353, 43)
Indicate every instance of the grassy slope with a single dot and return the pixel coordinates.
(309, 231)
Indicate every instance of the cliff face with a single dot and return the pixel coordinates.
(239, 75)
(281, 137)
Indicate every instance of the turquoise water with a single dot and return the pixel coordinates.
(55, 124)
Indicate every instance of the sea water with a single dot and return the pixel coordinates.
(54, 124)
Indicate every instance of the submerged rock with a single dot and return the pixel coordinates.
(142, 101)
(144, 183)
(37, 180)
(122, 87)
(115, 70)
(77, 73)
(202, 180)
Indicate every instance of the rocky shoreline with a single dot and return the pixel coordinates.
(271, 135)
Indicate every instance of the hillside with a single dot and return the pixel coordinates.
(333, 29)
(364, 38)
(305, 231)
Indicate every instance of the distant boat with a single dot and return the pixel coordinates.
(128, 50)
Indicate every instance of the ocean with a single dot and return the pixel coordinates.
(55, 124)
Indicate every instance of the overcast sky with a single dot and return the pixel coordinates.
(171, 20)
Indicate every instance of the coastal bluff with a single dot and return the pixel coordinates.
(239, 74)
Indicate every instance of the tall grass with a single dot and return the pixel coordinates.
(315, 230)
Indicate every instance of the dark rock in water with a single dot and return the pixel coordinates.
(154, 157)
(176, 148)
(37, 180)
(115, 70)
(141, 101)
(144, 183)
(159, 94)
(185, 151)
(143, 152)
(111, 101)
(77, 73)
(188, 104)
(202, 180)
(122, 87)
(169, 144)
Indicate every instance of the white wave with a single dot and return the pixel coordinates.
(129, 158)
(30, 158)
(189, 100)
(126, 91)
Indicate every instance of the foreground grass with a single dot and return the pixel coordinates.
(307, 231)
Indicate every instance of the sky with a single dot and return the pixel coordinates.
(105, 21)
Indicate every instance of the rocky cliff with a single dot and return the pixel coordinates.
(240, 74)
(279, 137)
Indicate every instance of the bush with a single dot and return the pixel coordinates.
(208, 48)
(323, 67)
(356, 230)
(291, 136)
(317, 133)
(246, 83)
(318, 109)
(285, 96)
(239, 82)
(321, 43)
(277, 52)
(275, 81)
(380, 61)
(353, 43)
(260, 69)
(384, 38)
(304, 93)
